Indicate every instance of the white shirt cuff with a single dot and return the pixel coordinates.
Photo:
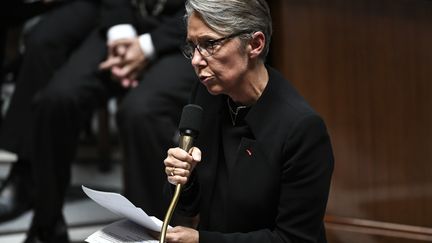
(121, 31)
(147, 46)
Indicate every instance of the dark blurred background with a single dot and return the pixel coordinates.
(366, 66)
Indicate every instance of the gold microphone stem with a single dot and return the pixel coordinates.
(169, 213)
(186, 145)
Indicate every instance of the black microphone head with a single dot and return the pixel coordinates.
(190, 121)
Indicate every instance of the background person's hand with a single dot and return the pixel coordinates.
(125, 61)
(116, 52)
(133, 63)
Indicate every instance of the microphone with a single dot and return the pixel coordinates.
(189, 127)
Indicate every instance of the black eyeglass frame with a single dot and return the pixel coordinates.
(188, 49)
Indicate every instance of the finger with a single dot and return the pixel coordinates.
(177, 180)
(124, 71)
(104, 65)
(177, 176)
(115, 70)
(110, 62)
(179, 172)
(125, 83)
(176, 163)
(180, 154)
(134, 83)
(171, 236)
(172, 181)
(170, 170)
(175, 229)
(183, 165)
(196, 154)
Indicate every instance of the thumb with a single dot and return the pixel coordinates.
(196, 154)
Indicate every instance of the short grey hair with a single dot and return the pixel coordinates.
(234, 16)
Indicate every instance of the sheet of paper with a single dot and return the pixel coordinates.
(121, 206)
(121, 232)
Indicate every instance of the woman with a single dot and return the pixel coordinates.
(261, 168)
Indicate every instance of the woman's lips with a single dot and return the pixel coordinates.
(205, 79)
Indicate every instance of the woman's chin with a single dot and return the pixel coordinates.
(213, 90)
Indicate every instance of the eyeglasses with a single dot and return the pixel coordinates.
(206, 48)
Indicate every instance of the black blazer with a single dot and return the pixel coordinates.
(278, 193)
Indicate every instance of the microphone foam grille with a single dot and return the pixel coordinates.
(191, 118)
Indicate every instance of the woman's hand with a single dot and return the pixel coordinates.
(179, 164)
(181, 234)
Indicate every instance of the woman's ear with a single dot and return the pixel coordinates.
(256, 44)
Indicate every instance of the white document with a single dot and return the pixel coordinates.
(132, 229)
(120, 232)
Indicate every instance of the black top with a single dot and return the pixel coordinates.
(264, 181)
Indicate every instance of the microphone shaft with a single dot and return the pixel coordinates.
(186, 143)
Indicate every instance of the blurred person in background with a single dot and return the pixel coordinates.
(76, 58)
